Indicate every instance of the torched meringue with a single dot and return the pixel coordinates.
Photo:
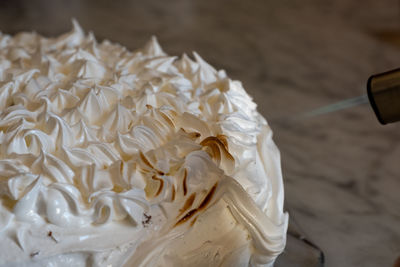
(119, 158)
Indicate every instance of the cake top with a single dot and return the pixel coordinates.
(96, 139)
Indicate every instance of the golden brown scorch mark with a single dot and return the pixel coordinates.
(202, 206)
(188, 204)
(223, 139)
(161, 184)
(191, 135)
(194, 135)
(148, 164)
(193, 221)
(207, 199)
(186, 217)
(214, 145)
(168, 120)
(145, 160)
(154, 186)
(184, 182)
(173, 193)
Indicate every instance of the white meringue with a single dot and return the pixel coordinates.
(117, 158)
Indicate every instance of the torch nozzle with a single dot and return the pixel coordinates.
(384, 95)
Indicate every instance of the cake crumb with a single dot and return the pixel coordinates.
(147, 220)
(50, 234)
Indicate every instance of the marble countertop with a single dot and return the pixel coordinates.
(341, 170)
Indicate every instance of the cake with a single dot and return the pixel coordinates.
(118, 158)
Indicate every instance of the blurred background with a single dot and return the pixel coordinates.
(341, 170)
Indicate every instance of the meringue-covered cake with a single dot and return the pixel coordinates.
(117, 158)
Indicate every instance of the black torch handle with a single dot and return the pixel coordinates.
(384, 95)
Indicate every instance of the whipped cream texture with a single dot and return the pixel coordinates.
(116, 158)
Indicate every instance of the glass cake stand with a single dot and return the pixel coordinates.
(299, 250)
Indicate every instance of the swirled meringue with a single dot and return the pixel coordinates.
(116, 158)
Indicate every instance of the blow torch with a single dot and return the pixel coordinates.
(383, 94)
